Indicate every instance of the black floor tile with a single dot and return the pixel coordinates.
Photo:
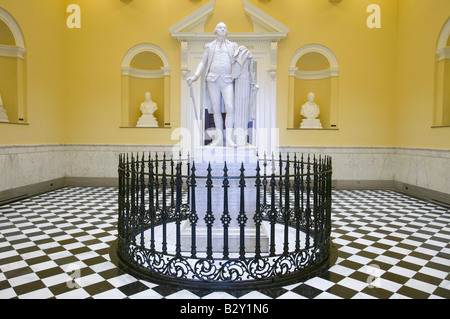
(368, 228)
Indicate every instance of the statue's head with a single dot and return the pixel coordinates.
(221, 29)
(311, 96)
(148, 95)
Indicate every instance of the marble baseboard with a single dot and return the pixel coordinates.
(38, 188)
(18, 193)
(419, 167)
(24, 165)
(425, 170)
(101, 160)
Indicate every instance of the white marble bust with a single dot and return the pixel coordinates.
(148, 107)
(3, 116)
(310, 111)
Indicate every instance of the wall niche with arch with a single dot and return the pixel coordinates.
(313, 68)
(145, 68)
(13, 70)
(442, 79)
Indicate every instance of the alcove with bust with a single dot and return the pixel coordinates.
(313, 68)
(13, 70)
(145, 69)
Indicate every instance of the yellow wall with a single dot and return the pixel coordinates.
(446, 102)
(41, 23)
(420, 23)
(108, 30)
(385, 86)
(6, 36)
(367, 67)
(8, 86)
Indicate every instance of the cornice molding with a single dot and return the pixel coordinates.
(145, 74)
(12, 51)
(313, 75)
(443, 54)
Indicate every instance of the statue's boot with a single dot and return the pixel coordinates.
(217, 137)
(229, 137)
(216, 142)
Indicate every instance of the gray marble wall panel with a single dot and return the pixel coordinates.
(30, 164)
(22, 165)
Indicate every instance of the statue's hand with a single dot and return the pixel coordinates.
(191, 79)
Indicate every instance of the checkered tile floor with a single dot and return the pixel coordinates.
(56, 245)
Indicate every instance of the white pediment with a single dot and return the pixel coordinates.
(262, 22)
(194, 22)
(264, 26)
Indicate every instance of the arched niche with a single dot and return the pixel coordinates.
(13, 69)
(442, 78)
(313, 68)
(145, 68)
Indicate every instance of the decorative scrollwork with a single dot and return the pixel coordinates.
(178, 267)
(259, 268)
(232, 270)
(205, 269)
(283, 265)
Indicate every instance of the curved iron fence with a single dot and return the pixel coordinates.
(164, 236)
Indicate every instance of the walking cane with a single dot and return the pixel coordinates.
(193, 101)
(197, 118)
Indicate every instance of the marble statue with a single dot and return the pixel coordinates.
(224, 64)
(3, 116)
(245, 90)
(148, 107)
(310, 111)
(229, 87)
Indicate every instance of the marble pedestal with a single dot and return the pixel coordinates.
(217, 157)
(310, 123)
(147, 120)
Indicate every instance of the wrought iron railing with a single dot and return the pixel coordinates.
(159, 220)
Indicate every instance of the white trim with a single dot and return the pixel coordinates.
(14, 27)
(143, 74)
(12, 51)
(315, 47)
(191, 28)
(145, 47)
(443, 54)
(236, 36)
(263, 21)
(195, 20)
(314, 75)
(443, 36)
